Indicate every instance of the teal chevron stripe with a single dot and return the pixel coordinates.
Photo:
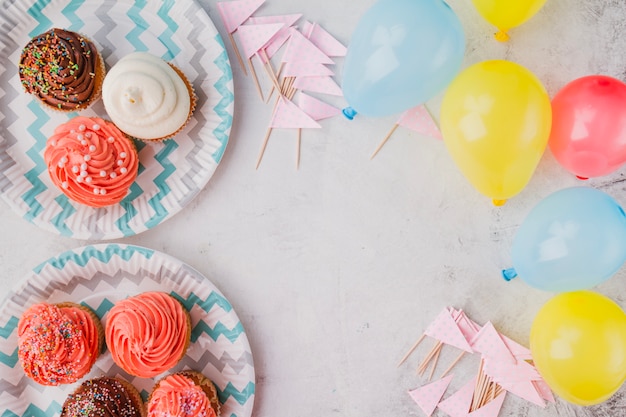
(221, 109)
(90, 252)
(213, 299)
(217, 331)
(130, 211)
(9, 360)
(67, 209)
(172, 27)
(140, 25)
(35, 154)
(33, 411)
(36, 11)
(8, 328)
(69, 11)
(240, 396)
(102, 309)
(160, 181)
(144, 395)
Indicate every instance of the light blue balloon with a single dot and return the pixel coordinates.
(402, 53)
(573, 239)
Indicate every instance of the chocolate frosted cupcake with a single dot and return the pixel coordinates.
(104, 397)
(63, 69)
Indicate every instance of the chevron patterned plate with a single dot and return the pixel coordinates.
(171, 173)
(100, 275)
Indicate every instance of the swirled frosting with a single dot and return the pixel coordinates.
(145, 97)
(57, 345)
(60, 67)
(147, 334)
(102, 397)
(178, 396)
(91, 161)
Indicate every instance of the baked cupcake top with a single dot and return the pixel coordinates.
(57, 345)
(147, 334)
(179, 396)
(59, 67)
(91, 161)
(146, 97)
(103, 397)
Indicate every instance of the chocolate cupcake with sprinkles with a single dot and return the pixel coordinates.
(63, 69)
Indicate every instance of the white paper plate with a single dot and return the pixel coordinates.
(170, 173)
(100, 275)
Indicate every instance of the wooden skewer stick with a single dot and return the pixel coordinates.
(267, 137)
(432, 371)
(280, 70)
(477, 387)
(268, 68)
(256, 79)
(430, 355)
(232, 41)
(298, 148)
(406, 356)
(458, 358)
(385, 139)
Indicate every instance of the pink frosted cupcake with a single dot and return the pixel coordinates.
(58, 343)
(91, 161)
(186, 393)
(148, 334)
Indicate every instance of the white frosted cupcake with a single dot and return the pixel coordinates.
(147, 98)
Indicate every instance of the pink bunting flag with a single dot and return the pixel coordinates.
(286, 19)
(458, 404)
(525, 390)
(428, 396)
(234, 13)
(323, 40)
(445, 329)
(300, 49)
(306, 69)
(544, 390)
(491, 409)
(419, 120)
(489, 343)
(468, 327)
(317, 109)
(519, 351)
(289, 116)
(323, 85)
(502, 372)
(254, 37)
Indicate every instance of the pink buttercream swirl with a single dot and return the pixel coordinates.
(147, 334)
(91, 161)
(57, 345)
(178, 396)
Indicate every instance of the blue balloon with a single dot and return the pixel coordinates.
(573, 239)
(402, 53)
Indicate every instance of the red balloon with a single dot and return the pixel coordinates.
(588, 134)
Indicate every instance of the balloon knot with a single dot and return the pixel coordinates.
(509, 274)
(498, 203)
(582, 178)
(349, 112)
(501, 36)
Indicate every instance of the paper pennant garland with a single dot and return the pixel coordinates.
(323, 40)
(489, 343)
(300, 49)
(286, 19)
(544, 390)
(279, 39)
(306, 69)
(323, 85)
(445, 329)
(289, 116)
(491, 409)
(458, 404)
(428, 396)
(419, 120)
(525, 390)
(317, 109)
(501, 371)
(234, 13)
(519, 351)
(253, 37)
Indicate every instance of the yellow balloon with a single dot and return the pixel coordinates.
(495, 120)
(507, 14)
(578, 343)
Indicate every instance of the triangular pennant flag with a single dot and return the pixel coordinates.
(323, 40)
(277, 42)
(323, 85)
(491, 409)
(458, 404)
(306, 69)
(525, 390)
(489, 343)
(428, 396)
(286, 19)
(253, 37)
(468, 327)
(419, 120)
(544, 390)
(289, 116)
(520, 352)
(317, 109)
(234, 13)
(444, 329)
(501, 371)
(301, 49)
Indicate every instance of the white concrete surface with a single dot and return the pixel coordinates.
(336, 268)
